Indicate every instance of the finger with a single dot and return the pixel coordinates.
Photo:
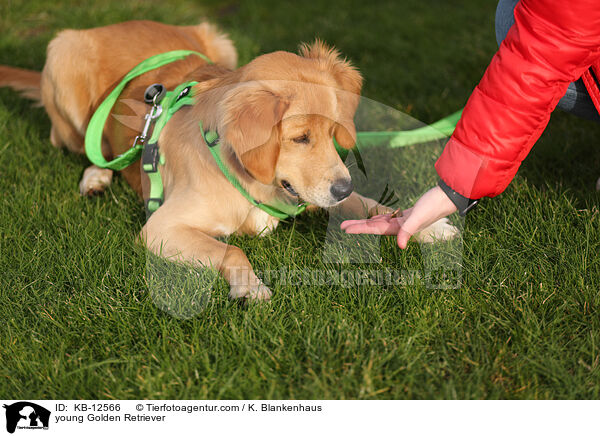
(381, 215)
(378, 227)
(368, 223)
(403, 238)
(348, 223)
(411, 225)
(345, 224)
(385, 216)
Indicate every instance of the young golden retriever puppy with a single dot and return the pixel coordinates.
(276, 118)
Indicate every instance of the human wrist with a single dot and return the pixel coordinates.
(461, 203)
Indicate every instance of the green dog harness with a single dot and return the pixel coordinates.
(165, 104)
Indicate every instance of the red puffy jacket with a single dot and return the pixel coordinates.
(552, 43)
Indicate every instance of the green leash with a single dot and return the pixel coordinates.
(438, 130)
(182, 95)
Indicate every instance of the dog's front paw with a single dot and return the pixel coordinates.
(251, 291)
(441, 230)
(260, 293)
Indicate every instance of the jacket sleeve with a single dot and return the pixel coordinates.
(552, 43)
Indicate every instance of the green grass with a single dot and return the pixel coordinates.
(79, 318)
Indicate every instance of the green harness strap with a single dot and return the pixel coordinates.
(281, 211)
(151, 157)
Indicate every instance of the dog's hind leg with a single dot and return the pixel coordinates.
(62, 132)
(95, 180)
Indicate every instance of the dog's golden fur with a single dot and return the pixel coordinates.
(276, 116)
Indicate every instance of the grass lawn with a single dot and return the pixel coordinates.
(78, 320)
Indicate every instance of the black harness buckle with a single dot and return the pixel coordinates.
(150, 158)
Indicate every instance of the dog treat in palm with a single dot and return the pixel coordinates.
(397, 213)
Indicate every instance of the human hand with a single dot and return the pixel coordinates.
(432, 206)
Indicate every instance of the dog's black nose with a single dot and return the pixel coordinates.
(341, 188)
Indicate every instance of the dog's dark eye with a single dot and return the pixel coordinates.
(304, 139)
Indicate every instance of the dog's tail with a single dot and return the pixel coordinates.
(27, 82)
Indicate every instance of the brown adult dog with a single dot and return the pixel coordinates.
(276, 117)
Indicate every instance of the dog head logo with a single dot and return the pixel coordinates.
(26, 415)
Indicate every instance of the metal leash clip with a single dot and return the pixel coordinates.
(153, 95)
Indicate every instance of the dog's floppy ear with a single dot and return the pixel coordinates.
(349, 83)
(345, 134)
(251, 125)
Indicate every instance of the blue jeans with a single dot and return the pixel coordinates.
(576, 100)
